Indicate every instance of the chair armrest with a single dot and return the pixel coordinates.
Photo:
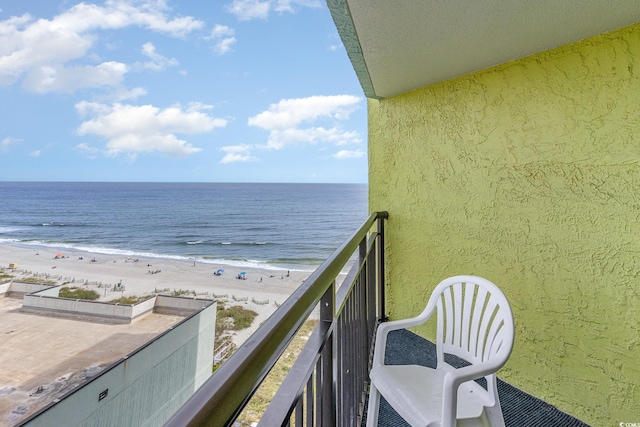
(385, 328)
(475, 371)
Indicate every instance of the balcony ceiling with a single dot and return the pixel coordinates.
(400, 45)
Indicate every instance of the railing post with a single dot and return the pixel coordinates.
(361, 366)
(381, 288)
(372, 291)
(327, 409)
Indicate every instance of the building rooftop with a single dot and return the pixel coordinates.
(42, 357)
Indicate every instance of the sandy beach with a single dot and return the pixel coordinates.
(262, 290)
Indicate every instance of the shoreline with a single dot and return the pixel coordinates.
(122, 253)
(264, 289)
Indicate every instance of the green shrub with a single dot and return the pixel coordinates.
(38, 280)
(133, 299)
(179, 292)
(74, 292)
(230, 319)
(234, 318)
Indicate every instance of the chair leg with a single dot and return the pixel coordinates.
(494, 415)
(494, 412)
(374, 406)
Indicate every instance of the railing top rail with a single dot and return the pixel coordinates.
(218, 401)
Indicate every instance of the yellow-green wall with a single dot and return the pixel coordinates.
(528, 174)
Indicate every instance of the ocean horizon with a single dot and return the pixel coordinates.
(262, 225)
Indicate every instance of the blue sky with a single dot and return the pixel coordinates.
(184, 91)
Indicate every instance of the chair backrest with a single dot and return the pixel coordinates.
(475, 321)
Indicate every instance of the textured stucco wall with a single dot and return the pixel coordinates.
(528, 174)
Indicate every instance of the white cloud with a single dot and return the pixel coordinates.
(349, 154)
(39, 51)
(224, 45)
(292, 112)
(121, 94)
(285, 121)
(51, 79)
(6, 142)
(91, 152)
(220, 31)
(288, 5)
(35, 153)
(131, 130)
(279, 138)
(198, 106)
(335, 42)
(237, 153)
(224, 39)
(294, 122)
(246, 10)
(158, 62)
(83, 108)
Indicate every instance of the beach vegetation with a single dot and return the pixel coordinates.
(38, 280)
(179, 292)
(74, 292)
(234, 318)
(5, 276)
(267, 390)
(230, 319)
(131, 299)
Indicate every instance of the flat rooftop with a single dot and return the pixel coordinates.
(43, 357)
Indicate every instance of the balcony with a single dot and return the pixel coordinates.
(327, 385)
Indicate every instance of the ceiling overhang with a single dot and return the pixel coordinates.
(399, 45)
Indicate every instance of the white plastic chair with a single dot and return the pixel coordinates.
(475, 323)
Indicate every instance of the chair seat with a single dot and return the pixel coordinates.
(416, 392)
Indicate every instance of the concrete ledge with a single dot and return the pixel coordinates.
(19, 289)
(143, 307)
(183, 306)
(75, 315)
(50, 304)
(4, 288)
(43, 299)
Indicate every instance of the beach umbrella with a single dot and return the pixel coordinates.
(220, 271)
(243, 273)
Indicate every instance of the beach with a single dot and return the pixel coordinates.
(260, 290)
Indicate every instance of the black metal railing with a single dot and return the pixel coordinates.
(326, 386)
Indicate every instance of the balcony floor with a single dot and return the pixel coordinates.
(518, 408)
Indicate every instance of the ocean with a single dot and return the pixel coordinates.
(272, 226)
